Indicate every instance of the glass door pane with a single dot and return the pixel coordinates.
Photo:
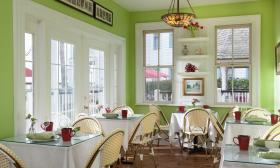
(96, 80)
(62, 82)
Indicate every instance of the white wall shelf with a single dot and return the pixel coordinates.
(186, 57)
(193, 73)
(194, 39)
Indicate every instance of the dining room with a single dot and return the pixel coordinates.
(151, 83)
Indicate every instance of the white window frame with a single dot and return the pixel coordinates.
(157, 66)
(52, 24)
(232, 64)
(140, 28)
(255, 22)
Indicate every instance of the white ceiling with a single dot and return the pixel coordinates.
(145, 5)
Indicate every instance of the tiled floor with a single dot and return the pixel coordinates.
(176, 159)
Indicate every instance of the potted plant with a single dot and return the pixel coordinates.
(193, 27)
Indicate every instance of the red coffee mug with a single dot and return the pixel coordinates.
(47, 126)
(181, 109)
(67, 133)
(243, 141)
(237, 115)
(124, 113)
(274, 119)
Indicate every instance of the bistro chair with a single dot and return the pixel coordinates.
(141, 137)
(162, 122)
(273, 133)
(220, 135)
(80, 115)
(109, 148)
(88, 125)
(119, 109)
(9, 158)
(196, 124)
(230, 114)
(259, 112)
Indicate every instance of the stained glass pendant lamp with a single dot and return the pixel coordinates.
(175, 18)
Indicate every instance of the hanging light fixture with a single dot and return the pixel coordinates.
(176, 18)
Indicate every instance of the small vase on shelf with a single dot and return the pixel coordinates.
(185, 50)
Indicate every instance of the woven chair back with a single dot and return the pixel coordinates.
(262, 113)
(109, 149)
(161, 118)
(196, 118)
(272, 133)
(145, 127)
(88, 125)
(119, 109)
(8, 158)
(217, 125)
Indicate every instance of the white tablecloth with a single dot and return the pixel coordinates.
(177, 124)
(234, 129)
(44, 156)
(127, 125)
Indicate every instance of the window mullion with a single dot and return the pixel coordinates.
(158, 68)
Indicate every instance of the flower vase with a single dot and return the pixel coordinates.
(193, 33)
(31, 129)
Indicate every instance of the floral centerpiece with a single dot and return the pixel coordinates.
(193, 27)
(194, 101)
(32, 123)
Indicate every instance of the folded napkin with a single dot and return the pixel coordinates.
(254, 118)
(269, 155)
(41, 136)
(259, 142)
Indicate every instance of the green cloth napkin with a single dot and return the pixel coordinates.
(259, 142)
(269, 155)
(41, 136)
(254, 118)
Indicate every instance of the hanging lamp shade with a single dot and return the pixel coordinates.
(176, 18)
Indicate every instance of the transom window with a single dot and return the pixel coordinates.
(233, 64)
(158, 65)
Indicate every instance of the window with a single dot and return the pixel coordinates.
(158, 65)
(96, 80)
(62, 81)
(29, 73)
(233, 64)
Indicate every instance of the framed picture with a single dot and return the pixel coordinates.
(277, 58)
(85, 6)
(103, 14)
(193, 86)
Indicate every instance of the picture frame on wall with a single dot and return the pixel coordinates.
(103, 14)
(277, 59)
(85, 6)
(193, 86)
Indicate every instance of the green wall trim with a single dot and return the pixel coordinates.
(6, 69)
(265, 8)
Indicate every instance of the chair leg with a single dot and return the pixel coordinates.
(153, 154)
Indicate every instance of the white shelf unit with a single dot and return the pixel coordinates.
(194, 39)
(189, 57)
(193, 73)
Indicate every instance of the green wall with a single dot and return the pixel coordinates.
(6, 69)
(263, 7)
(277, 20)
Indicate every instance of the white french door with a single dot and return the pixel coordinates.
(62, 82)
